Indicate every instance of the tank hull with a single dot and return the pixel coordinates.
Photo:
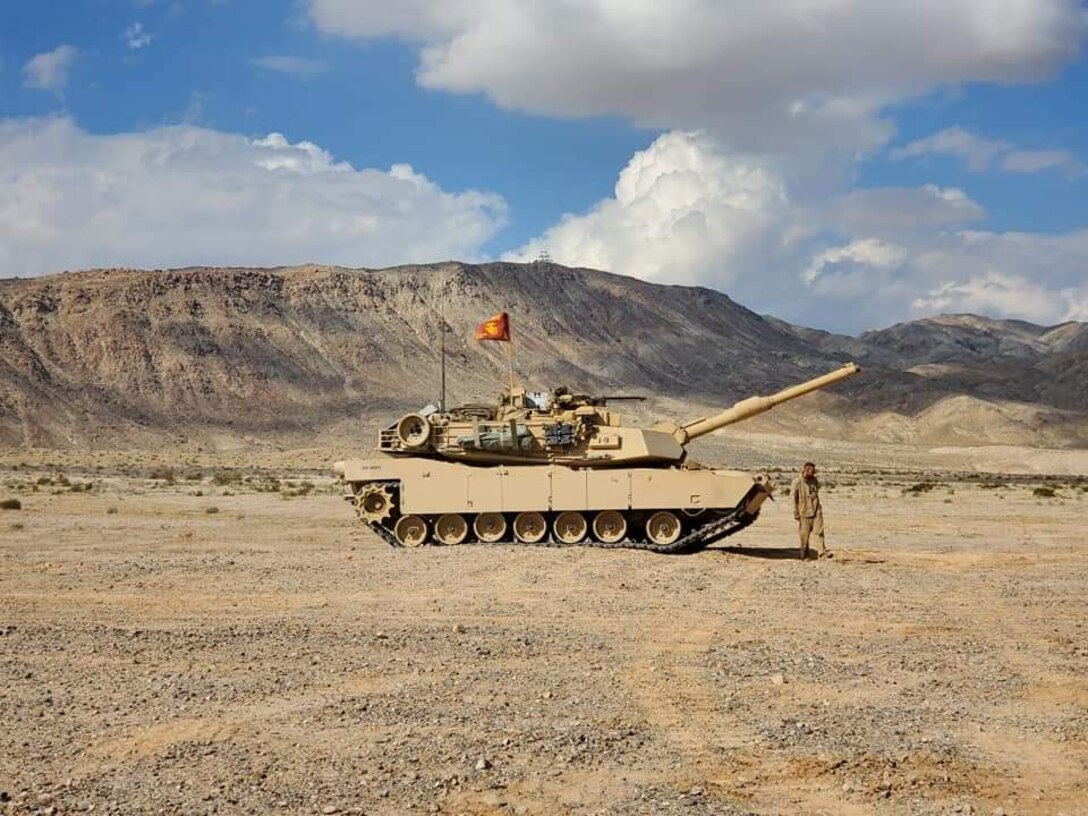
(663, 509)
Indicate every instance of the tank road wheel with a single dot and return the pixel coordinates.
(451, 529)
(530, 528)
(374, 503)
(411, 531)
(489, 527)
(570, 527)
(663, 528)
(609, 526)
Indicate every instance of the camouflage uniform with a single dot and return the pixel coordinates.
(805, 494)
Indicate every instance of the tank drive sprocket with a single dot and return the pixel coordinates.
(374, 504)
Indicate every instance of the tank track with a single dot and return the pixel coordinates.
(697, 539)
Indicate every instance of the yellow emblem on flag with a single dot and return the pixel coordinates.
(496, 327)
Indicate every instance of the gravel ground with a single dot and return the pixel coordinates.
(271, 656)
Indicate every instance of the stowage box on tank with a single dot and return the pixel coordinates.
(557, 471)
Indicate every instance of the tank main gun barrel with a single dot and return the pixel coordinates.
(753, 406)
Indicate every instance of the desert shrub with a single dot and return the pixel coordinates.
(212, 510)
(17, 527)
(1044, 493)
(992, 486)
(292, 489)
(44, 480)
(267, 484)
(111, 511)
(62, 481)
(194, 476)
(163, 474)
(11, 504)
(227, 477)
(920, 487)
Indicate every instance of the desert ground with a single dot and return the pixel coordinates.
(215, 634)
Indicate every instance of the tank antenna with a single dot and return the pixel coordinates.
(442, 346)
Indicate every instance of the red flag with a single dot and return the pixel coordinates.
(496, 327)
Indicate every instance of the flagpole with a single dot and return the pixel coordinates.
(510, 361)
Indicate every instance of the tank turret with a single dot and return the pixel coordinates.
(556, 469)
(576, 430)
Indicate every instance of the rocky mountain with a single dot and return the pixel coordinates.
(301, 354)
(1009, 360)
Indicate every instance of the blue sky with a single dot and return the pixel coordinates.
(843, 167)
(362, 103)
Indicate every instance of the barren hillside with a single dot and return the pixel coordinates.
(198, 356)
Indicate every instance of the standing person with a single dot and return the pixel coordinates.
(805, 493)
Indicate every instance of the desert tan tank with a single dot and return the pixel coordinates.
(557, 470)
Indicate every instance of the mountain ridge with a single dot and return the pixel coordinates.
(133, 357)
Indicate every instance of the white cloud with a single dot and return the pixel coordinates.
(893, 211)
(982, 154)
(295, 67)
(685, 210)
(979, 152)
(1013, 274)
(49, 70)
(787, 75)
(768, 108)
(1033, 161)
(682, 213)
(136, 37)
(870, 252)
(184, 195)
(1007, 295)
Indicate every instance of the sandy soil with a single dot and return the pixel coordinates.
(273, 657)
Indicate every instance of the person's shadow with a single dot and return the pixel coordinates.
(780, 553)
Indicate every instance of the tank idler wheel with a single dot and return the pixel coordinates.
(374, 503)
(530, 528)
(411, 531)
(570, 527)
(663, 528)
(451, 529)
(489, 527)
(609, 526)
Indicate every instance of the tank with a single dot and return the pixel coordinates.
(556, 469)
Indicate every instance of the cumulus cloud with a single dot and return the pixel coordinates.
(1005, 294)
(294, 67)
(687, 210)
(136, 37)
(682, 213)
(761, 76)
(981, 153)
(868, 283)
(185, 195)
(767, 108)
(49, 70)
(871, 252)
